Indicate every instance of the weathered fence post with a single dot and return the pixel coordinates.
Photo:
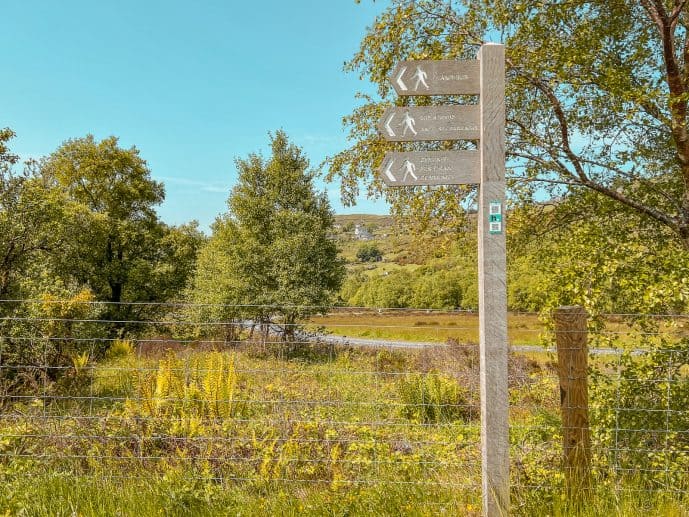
(572, 353)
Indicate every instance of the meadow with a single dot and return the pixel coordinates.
(428, 326)
(250, 428)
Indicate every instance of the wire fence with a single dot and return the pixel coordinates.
(352, 397)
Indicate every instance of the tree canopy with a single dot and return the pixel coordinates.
(271, 253)
(121, 250)
(597, 98)
(84, 218)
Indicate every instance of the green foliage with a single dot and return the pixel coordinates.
(393, 290)
(432, 398)
(641, 415)
(369, 252)
(166, 449)
(186, 393)
(586, 250)
(438, 290)
(7, 159)
(42, 342)
(31, 216)
(445, 283)
(112, 239)
(271, 253)
(596, 98)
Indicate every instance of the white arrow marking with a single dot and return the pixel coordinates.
(391, 132)
(388, 172)
(398, 80)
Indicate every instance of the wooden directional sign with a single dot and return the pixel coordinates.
(486, 166)
(436, 77)
(420, 123)
(430, 168)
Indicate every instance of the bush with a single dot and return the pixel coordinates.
(44, 341)
(120, 349)
(641, 416)
(432, 398)
(369, 253)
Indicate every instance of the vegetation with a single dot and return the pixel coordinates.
(597, 98)
(132, 378)
(270, 256)
(369, 253)
(254, 429)
(84, 218)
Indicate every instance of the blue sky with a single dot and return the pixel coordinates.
(192, 85)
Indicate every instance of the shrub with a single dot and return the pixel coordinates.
(432, 398)
(45, 340)
(120, 349)
(186, 393)
(640, 415)
(369, 253)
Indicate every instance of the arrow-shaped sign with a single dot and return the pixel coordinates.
(398, 80)
(427, 77)
(421, 123)
(388, 129)
(430, 168)
(387, 171)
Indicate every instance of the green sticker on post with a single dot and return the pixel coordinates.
(495, 217)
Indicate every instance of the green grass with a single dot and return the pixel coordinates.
(59, 495)
(265, 431)
(67, 496)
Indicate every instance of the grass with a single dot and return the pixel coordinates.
(266, 430)
(173, 496)
(462, 327)
(67, 496)
(428, 326)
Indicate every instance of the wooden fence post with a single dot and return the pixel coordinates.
(572, 357)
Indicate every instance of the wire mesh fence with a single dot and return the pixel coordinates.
(355, 397)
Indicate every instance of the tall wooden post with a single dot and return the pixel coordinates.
(492, 280)
(572, 359)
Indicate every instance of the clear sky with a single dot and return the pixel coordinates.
(192, 84)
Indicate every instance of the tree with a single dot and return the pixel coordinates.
(7, 159)
(30, 218)
(113, 241)
(270, 255)
(369, 253)
(597, 98)
(587, 250)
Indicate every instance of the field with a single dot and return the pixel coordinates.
(430, 326)
(269, 428)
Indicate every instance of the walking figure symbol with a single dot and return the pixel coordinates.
(409, 123)
(409, 170)
(420, 77)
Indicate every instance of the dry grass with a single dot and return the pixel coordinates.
(523, 329)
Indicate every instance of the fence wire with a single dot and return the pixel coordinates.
(352, 397)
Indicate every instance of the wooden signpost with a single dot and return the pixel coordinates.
(484, 122)
(436, 77)
(419, 123)
(431, 168)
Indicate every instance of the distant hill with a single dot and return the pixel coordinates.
(364, 219)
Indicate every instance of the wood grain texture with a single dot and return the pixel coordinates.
(571, 336)
(436, 77)
(430, 168)
(492, 286)
(426, 123)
